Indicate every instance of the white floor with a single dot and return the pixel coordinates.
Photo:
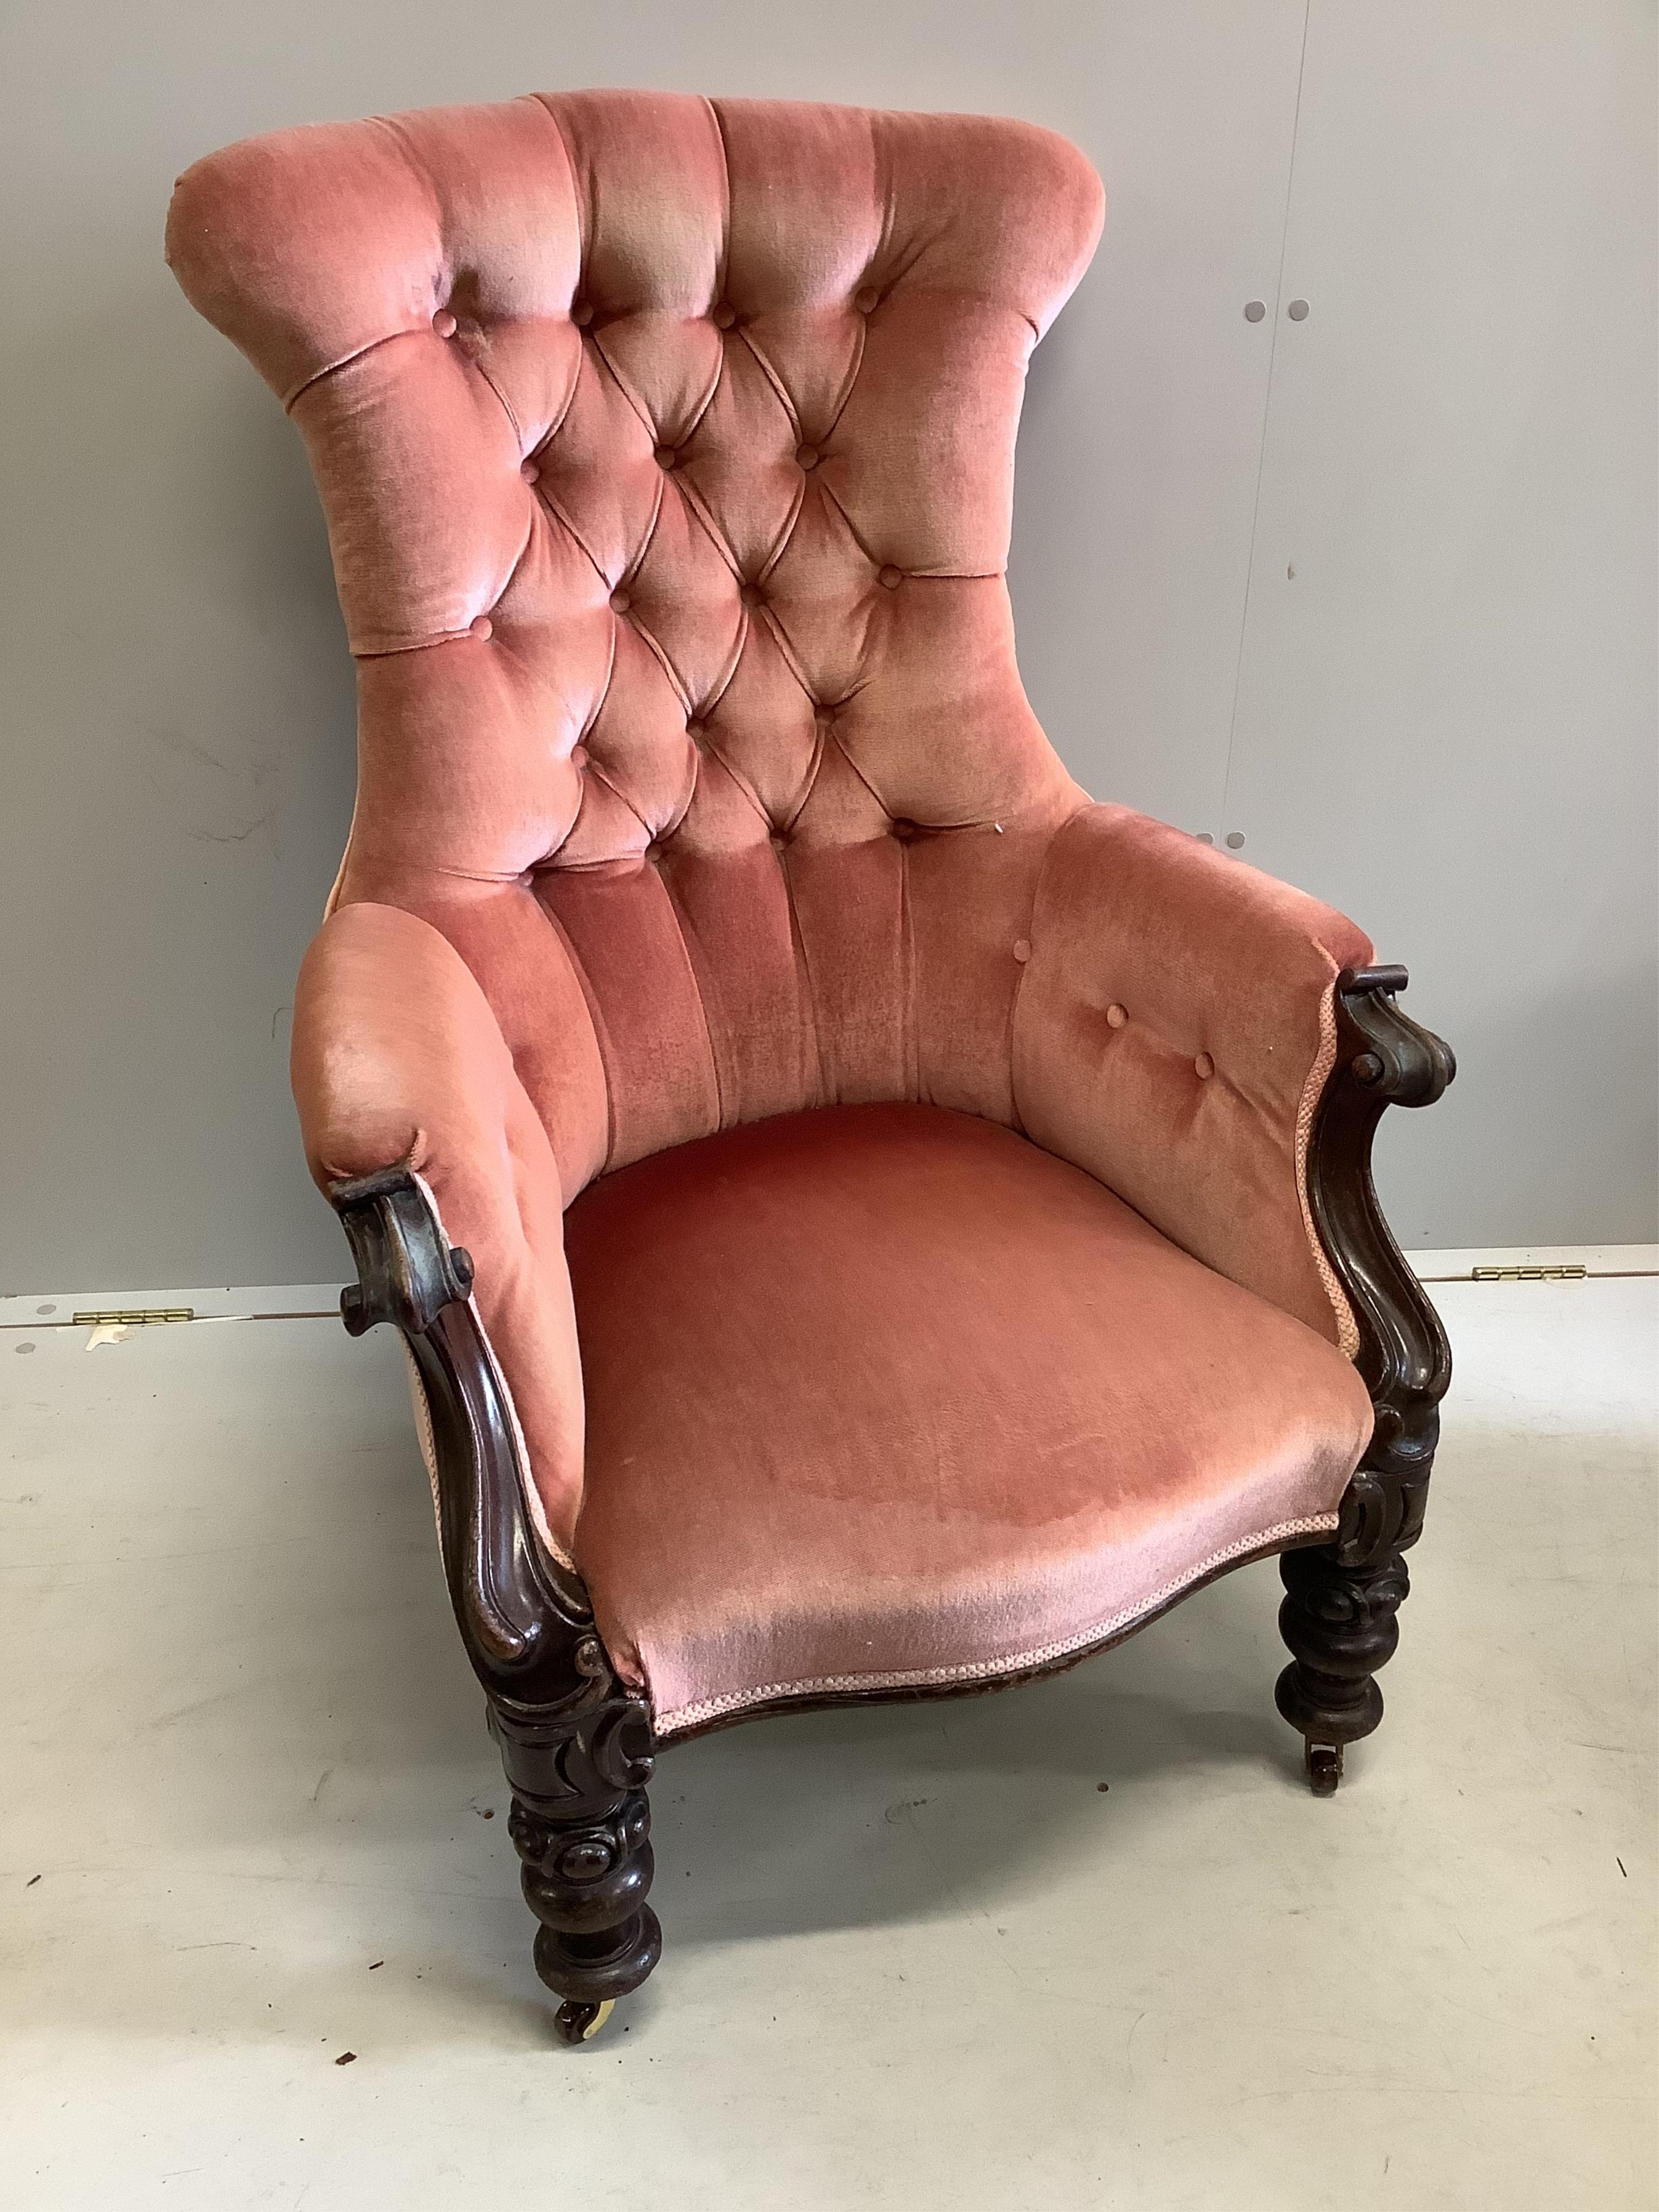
(916, 1957)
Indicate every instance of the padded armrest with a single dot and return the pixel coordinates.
(399, 1059)
(1174, 1029)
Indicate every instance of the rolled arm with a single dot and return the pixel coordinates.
(1174, 1031)
(401, 1075)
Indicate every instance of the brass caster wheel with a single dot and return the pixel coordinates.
(580, 2023)
(1324, 1767)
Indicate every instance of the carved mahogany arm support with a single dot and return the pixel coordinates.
(575, 1742)
(523, 1615)
(1383, 1058)
(1338, 1617)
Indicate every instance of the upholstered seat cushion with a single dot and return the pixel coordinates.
(883, 1395)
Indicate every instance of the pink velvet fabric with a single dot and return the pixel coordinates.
(666, 449)
(1173, 1033)
(885, 1395)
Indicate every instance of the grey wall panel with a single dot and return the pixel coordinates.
(1142, 440)
(1446, 718)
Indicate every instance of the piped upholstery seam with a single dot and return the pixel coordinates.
(725, 174)
(658, 652)
(601, 1038)
(792, 413)
(693, 970)
(911, 1031)
(707, 522)
(506, 404)
(1042, 869)
(786, 645)
(986, 1670)
(452, 637)
(635, 401)
(556, 508)
(835, 739)
(853, 367)
(784, 536)
(622, 799)
(519, 560)
(1347, 1328)
(358, 353)
(578, 196)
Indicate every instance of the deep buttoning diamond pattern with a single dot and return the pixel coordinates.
(666, 448)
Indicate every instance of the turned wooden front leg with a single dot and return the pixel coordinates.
(581, 1824)
(1339, 1622)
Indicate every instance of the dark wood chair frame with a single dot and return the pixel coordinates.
(577, 1744)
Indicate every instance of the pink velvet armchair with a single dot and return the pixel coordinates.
(866, 1220)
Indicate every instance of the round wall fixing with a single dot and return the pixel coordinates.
(1298, 311)
(1254, 310)
(1235, 839)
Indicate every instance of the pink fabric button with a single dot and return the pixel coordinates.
(1022, 950)
(725, 316)
(481, 626)
(903, 830)
(890, 577)
(578, 755)
(806, 457)
(1205, 1065)
(621, 602)
(750, 596)
(867, 299)
(580, 313)
(445, 324)
(530, 470)
(666, 457)
(1115, 1016)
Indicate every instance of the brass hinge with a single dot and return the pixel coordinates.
(133, 1316)
(1573, 1272)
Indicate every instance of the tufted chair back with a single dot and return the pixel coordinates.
(666, 447)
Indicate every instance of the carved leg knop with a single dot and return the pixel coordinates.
(585, 1882)
(581, 1824)
(1339, 1622)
